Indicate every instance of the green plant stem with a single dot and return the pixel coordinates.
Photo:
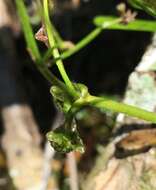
(97, 102)
(121, 108)
(27, 29)
(57, 36)
(55, 51)
(32, 45)
(47, 55)
(104, 103)
(87, 39)
(50, 76)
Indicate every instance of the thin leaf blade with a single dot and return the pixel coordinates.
(27, 30)
(136, 25)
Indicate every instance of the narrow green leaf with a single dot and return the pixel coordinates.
(27, 29)
(147, 5)
(136, 25)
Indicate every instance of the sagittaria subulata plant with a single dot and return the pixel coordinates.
(70, 97)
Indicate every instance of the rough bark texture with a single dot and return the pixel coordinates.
(132, 165)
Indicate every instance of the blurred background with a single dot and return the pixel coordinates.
(27, 109)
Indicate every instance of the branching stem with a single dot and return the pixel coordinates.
(55, 51)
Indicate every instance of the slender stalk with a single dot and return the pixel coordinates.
(50, 76)
(47, 55)
(27, 29)
(55, 51)
(32, 45)
(121, 108)
(85, 41)
(89, 38)
(57, 36)
(104, 103)
(89, 100)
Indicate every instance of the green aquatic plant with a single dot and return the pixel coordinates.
(71, 97)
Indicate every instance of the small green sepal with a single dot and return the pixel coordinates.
(65, 141)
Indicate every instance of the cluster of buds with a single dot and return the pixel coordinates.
(126, 14)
